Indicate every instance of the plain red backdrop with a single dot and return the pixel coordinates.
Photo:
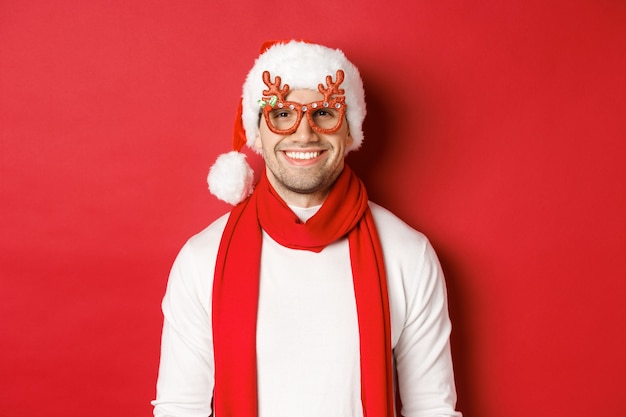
(497, 128)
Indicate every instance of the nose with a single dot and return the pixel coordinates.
(304, 133)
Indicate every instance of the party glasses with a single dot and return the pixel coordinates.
(324, 117)
(283, 117)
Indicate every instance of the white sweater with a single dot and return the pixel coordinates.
(307, 329)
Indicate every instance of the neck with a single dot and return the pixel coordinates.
(302, 200)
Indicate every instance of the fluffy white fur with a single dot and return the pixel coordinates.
(230, 178)
(303, 65)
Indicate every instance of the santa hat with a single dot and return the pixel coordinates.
(302, 65)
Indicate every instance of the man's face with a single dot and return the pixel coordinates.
(303, 166)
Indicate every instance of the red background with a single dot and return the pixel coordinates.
(497, 128)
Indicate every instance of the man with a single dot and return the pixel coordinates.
(307, 299)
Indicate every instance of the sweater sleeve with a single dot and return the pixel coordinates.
(422, 353)
(186, 370)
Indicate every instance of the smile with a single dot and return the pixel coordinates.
(302, 155)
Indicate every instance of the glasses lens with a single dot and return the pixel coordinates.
(283, 119)
(326, 117)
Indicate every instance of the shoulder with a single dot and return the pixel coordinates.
(197, 256)
(410, 260)
(209, 238)
(415, 281)
(394, 233)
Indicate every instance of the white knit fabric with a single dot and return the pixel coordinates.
(307, 332)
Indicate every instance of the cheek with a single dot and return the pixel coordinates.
(346, 137)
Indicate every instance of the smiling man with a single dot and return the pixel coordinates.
(306, 299)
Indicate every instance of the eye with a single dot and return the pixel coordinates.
(281, 114)
(325, 113)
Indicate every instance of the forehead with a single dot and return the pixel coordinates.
(304, 95)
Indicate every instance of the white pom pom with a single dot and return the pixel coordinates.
(230, 178)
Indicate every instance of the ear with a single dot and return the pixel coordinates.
(257, 141)
(349, 138)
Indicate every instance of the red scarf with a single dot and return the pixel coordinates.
(236, 290)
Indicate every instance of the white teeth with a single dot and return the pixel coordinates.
(302, 155)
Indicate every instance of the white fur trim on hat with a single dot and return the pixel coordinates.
(230, 178)
(303, 65)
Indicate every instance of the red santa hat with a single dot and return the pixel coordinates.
(301, 65)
